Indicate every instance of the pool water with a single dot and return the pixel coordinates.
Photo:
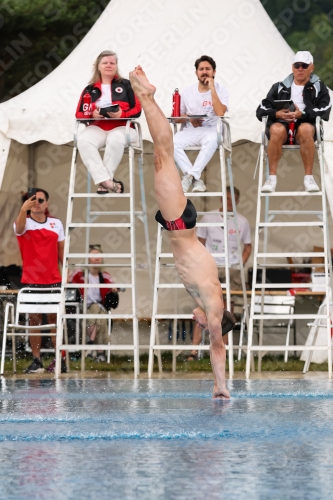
(80, 439)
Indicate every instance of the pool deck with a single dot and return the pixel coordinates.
(276, 375)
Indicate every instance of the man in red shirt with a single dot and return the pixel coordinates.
(41, 240)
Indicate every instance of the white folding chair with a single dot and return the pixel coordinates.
(274, 305)
(30, 301)
(318, 328)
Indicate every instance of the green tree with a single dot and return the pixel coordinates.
(307, 26)
(37, 35)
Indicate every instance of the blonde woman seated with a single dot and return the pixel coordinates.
(97, 329)
(107, 88)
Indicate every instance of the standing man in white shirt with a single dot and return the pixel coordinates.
(213, 239)
(208, 98)
(311, 99)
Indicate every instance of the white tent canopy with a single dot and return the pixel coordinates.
(165, 38)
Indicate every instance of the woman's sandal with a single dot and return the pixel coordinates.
(115, 186)
(103, 190)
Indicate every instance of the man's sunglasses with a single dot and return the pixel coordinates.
(41, 200)
(301, 65)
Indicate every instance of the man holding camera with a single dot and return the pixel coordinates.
(310, 99)
(41, 240)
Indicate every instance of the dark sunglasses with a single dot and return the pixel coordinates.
(41, 200)
(301, 65)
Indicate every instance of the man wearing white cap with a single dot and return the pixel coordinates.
(311, 99)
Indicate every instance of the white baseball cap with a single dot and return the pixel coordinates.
(303, 56)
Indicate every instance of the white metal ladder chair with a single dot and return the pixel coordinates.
(124, 259)
(36, 301)
(163, 259)
(261, 256)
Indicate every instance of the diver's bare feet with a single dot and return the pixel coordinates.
(140, 83)
(223, 394)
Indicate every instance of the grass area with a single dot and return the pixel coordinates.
(125, 364)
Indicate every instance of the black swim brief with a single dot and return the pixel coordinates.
(187, 220)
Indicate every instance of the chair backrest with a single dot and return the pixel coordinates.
(323, 310)
(223, 131)
(226, 135)
(38, 301)
(275, 304)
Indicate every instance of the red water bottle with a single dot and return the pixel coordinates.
(176, 103)
(291, 134)
(87, 105)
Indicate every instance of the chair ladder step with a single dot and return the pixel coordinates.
(289, 194)
(291, 224)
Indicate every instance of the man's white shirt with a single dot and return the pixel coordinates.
(214, 236)
(297, 95)
(194, 102)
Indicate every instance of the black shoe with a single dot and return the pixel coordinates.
(228, 322)
(63, 365)
(35, 367)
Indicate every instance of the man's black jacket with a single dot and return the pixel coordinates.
(315, 95)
